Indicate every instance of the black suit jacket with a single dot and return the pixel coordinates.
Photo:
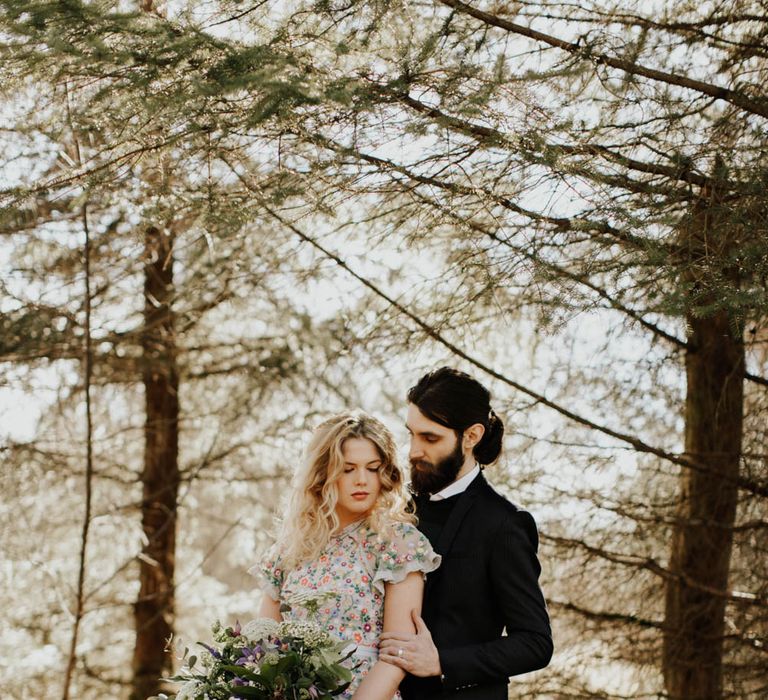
(487, 584)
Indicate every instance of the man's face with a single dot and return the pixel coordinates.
(435, 453)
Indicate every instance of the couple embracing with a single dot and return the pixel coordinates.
(443, 602)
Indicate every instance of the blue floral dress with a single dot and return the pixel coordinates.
(347, 580)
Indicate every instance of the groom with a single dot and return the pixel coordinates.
(485, 614)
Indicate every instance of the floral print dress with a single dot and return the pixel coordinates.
(345, 584)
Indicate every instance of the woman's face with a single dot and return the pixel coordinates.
(360, 482)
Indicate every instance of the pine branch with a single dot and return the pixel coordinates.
(579, 279)
(485, 134)
(762, 381)
(638, 444)
(560, 271)
(81, 172)
(560, 224)
(649, 564)
(675, 28)
(604, 616)
(758, 106)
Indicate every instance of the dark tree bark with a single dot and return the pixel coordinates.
(154, 609)
(701, 546)
(702, 541)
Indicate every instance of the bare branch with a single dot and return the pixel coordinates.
(485, 134)
(654, 567)
(734, 97)
(638, 444)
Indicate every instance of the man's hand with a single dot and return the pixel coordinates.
(414, 653)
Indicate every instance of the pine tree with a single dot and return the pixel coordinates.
(574, 157)
(543, 162)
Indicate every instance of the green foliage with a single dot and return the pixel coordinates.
(23, 332)
(524, 190)
(295, 661)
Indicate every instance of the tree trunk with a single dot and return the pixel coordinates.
(154, 609)
(701, 544)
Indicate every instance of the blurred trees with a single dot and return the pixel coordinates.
(567, 200)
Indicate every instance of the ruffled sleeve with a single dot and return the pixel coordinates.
(269, 573)
(400, 550)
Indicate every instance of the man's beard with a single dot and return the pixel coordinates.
(428, 478)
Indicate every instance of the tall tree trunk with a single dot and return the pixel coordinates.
(714, 404)
(154, 609)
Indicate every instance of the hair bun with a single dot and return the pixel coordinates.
(488, 449)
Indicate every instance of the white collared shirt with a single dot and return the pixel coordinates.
(456, 487)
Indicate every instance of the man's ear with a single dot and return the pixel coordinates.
(472, 435)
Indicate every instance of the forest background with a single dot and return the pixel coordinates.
(222, 221)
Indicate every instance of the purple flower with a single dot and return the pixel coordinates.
(250, 656)
(313, 691)
(236, 629)
(215, 654)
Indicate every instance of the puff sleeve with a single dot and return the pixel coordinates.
(269, 574)
(400, 550)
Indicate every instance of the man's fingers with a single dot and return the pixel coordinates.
(394, 659)
(392, 647)
(421, 626)
(396, 637)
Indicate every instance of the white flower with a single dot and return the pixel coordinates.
(308, 632)
(260, 628)
(271, 658)
(188, 691)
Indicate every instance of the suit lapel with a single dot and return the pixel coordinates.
(452, 525)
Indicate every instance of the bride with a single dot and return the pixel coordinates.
(349, 547)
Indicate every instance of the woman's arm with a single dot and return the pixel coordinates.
(270, 608)
(400, 599)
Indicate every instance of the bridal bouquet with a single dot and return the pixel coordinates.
(291, 660)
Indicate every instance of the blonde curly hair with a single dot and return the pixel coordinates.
(311, 515)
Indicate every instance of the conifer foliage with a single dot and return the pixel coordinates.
(541, 163)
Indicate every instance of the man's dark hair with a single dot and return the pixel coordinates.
(453, 399)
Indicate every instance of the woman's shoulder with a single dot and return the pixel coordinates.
(399, 548)
(397, 541)
(392, 531)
